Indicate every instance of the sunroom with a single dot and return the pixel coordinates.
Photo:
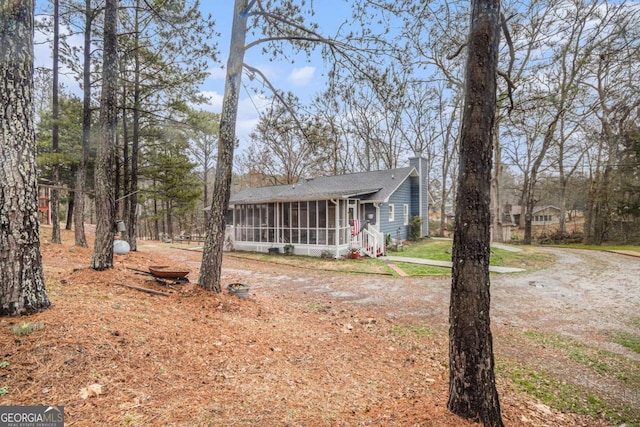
(325, 227)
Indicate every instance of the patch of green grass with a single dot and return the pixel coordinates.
(4, 389)
(422, 270)
(632, 342)
(25, 328)
(400, 330)
(320, 308)
(566, 397)
(364, 265)
(419, 331)
(601, 361)
(529, 258)
(439, 250)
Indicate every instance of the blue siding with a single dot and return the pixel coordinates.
(399, 198)
(422, 166)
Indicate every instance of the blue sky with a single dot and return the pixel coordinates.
(303, 76)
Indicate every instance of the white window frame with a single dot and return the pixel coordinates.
(392, 212)
(405, 213)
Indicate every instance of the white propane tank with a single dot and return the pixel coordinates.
(121, 247)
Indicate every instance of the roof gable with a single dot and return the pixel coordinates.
(375, 186)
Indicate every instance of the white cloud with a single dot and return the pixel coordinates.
(215, 101)
(249, 110)
(301, 76)
(217, 73)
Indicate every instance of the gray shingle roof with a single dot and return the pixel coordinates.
(374, 186)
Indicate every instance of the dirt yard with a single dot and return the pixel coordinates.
(309, 347)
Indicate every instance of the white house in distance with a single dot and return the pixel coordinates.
(332, 214)
(541, 215)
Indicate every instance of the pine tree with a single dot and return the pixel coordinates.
(22, 286)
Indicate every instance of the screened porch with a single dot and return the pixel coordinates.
(312, 227)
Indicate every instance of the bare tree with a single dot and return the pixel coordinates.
(287, 149)
(613, 82)
(339, 150)
(22, 285)
(448, 122)
(472, 388)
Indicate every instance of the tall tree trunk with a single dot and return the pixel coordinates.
(104, 174)
(206, 193)
(70, 204)
(496, 199)
(156, 222)
(135, 144)
(472, 388)
(81, 174)
(211, 269)
(169, 218)
(123, 169)
(528, 218)
(563, 207)
(55, 131)
(22, 285)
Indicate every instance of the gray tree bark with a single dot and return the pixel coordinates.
(81, 173)
(105, 173)
(55, 131)
(211, 268)
(22, 285)
(472, 389)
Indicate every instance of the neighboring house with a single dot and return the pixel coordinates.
(332, 214)
(543, 215)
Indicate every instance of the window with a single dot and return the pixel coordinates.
(391, 213)
(405, 214)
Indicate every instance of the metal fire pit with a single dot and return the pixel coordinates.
(164, 272)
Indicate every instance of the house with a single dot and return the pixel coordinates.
(542, 215)
(332, 215)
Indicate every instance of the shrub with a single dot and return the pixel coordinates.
(415, 228)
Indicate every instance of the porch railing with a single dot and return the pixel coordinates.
(373, 243)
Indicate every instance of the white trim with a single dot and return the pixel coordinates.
(392, 212)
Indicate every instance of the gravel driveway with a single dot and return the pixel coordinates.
(582, 293)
